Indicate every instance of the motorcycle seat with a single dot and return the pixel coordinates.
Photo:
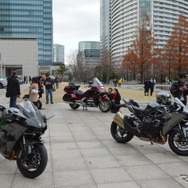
(139, 110)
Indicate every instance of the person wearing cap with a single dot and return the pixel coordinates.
(48, 82)
(179, 89)
(13, 89)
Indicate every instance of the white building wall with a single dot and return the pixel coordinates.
(124, 21)
(19, 52)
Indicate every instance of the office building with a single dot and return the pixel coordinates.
(58, 53)
(29, 18)
(20, 55)
(91, 53)
(125, 16)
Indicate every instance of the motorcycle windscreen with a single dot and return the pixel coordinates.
(34, 116)
(96, 82)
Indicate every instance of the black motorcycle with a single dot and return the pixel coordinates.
(159, 121)
(20, 137)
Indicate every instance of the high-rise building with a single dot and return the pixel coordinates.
(29, 18)
(105, 25)
(125, 16)
(91, 53)
(58, 53)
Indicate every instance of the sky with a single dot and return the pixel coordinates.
(75, 21)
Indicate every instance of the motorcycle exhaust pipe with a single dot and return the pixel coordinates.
(118, 119)
(130, 126)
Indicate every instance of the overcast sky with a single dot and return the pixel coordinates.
(74, 21)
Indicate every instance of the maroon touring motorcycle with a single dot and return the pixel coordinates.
(96, 96)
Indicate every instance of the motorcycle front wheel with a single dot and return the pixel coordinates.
(33, 164)
(177, 144)
(119, 134)
(74, 106)
(105, 106)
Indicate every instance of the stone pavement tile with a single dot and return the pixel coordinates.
(6, 180)
(101, 162)
(7, 167)
(160, 183)
(81, 186)
(148, 148)
(45, 180)
(90, 144)
(113, 143)
(182, 180)
(94, 152)
(166, 157)
(127, 150)
(175, 169)
(69, 164)
(60, 155)
(119, 185)
(73, 178)
(84, 137)
(133, 160)
(146, 172)
(63, 145)
(62, 139)
(110, 175)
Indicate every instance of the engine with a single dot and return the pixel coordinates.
(150, 127)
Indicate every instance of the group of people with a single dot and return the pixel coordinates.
(36, 88)
(114, 95)
(149, 87)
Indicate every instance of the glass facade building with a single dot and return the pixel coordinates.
(58, 53)
(126, 15)
(29, 18)
(91, 53)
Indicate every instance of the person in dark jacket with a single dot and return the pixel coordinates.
(110, 93)
(179, 89)
(49, 86)
(146, 87)
(151, 86)
(13, 89)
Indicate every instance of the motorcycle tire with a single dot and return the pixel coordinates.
(119, 134)
(180, 148)
(39, 105)
(35, 163)
(74, 106)
(105, 106)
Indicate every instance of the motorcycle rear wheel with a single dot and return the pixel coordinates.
(105, 106)
(34, 164)
(74, 106)
(119, 134)
(177, 146)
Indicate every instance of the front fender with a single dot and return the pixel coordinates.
(174, 119)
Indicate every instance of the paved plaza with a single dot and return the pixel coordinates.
(83, 154)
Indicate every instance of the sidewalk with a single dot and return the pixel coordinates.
(83, 154)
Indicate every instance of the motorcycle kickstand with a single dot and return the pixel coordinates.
(85, 107)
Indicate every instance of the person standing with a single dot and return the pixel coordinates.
(151, 86)
(56, 81)
(33, 91)
(49, 86)
(179, 89)
(146, 87)
(13, 89)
